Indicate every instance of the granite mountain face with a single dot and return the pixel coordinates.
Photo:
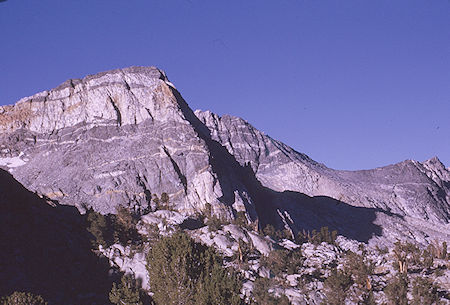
(119, 137)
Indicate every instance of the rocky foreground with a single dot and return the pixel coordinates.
(125, 137)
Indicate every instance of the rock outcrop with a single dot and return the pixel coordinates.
(119, 137)
(114, 139)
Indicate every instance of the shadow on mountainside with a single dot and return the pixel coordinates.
(45, 250)
(305, 212)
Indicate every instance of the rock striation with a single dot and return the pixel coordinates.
(119, 137)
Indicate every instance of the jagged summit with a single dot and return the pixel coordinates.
(122, 137)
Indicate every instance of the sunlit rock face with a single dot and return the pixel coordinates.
(113, 139)
(118, 137)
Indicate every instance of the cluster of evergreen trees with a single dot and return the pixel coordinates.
(110, 229)
(182, 271)
(185, 272)
(22, 298)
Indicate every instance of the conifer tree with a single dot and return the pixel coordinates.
(396, 290)
(182, 271)
(22, 298)
(126, 293)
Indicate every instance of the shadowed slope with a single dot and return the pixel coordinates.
(303, 212)
(45, 250)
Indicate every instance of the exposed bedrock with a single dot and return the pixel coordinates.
(119, 137)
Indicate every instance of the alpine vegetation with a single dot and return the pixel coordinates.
(113, 191)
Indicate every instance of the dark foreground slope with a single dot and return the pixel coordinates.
(46, 250)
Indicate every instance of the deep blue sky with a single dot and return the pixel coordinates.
(354, 84)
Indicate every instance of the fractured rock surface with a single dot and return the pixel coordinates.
(117, 137)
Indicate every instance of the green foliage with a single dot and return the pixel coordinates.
(182, 271)
(109, 229)
(326, 236)
(244, 251)
(214, 223)
(402, 254)
(424, 292)
(100, 226)
(164, 198)
(22, 298)
(438, 272)
(409, 256)
(283, 300)
(283, 234)
(207, 210)
(396, 290)
(217, 285)
(173, 269)
(153, 233)
(317, 237)
(125, 231)
(283, 261)
(360, 268)
(382, 250)
(126, 293)
(438, 251)
(426, 260)
(162, 203)
(155, 199)
(336, 287)
(261, 295)
(269, 230)
(241, 219)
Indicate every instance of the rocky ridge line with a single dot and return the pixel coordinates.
(119, 137)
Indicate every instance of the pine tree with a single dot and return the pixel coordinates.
(217, 285)
(261, 295)
(99, 227)
(361, 268)
(424, 292)
(182, 271)
(165, 198)
(126, 293)
(22, 298)
(336, 287)
(396, 290)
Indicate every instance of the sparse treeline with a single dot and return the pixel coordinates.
(23, 298)
(183, 271)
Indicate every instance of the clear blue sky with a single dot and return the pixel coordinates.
(353, 84)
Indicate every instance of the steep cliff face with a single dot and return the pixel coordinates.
(118, 137)
(114, 139)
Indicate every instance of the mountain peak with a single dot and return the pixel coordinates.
(122, 137)
(122, 96)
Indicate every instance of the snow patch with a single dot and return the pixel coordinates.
(12, 161)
